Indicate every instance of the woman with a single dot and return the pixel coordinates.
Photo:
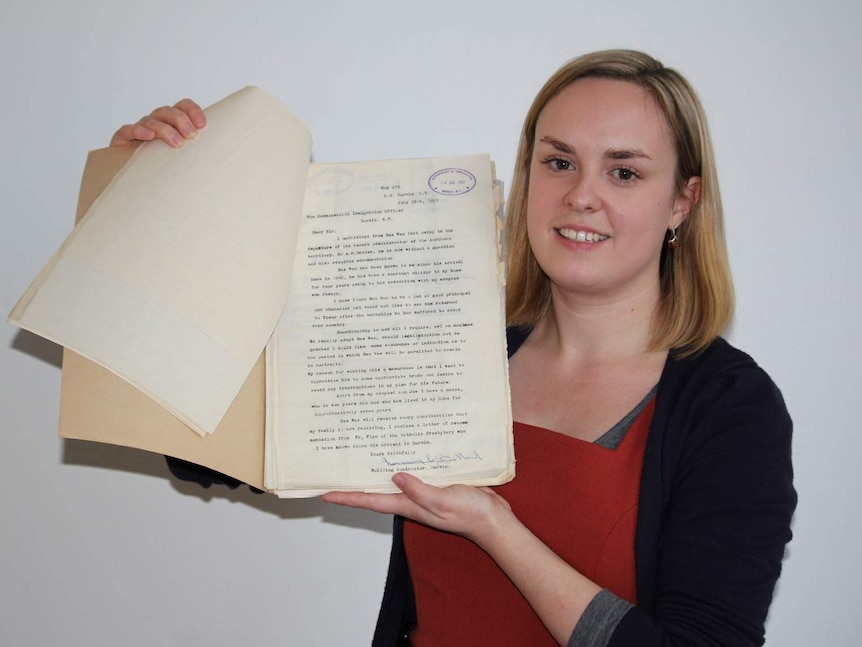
(654, 490)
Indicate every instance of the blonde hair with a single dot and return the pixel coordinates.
(696, 302)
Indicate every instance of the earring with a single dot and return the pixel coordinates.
(673, 240)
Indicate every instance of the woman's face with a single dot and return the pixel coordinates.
(603, 189)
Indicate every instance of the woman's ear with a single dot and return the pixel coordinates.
(686, 201)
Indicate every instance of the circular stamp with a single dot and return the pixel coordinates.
(452, 181)
(331, 181)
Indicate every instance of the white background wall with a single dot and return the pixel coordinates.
(99, 547)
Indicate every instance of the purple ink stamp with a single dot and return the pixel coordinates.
(452, 181)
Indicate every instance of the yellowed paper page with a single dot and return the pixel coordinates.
(177, 275)
(96, 405)
(390, 355)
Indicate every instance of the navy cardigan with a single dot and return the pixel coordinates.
(716, 501)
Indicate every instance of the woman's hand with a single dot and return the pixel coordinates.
(556, 591)
(171, 124)
(471, 512)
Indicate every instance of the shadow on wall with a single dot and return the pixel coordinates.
(126, 459)
(38, 347)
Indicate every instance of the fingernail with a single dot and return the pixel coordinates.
(177, 142)
(399, 479)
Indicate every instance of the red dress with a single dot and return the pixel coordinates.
(579, 498)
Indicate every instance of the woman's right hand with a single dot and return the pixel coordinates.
(171, 124)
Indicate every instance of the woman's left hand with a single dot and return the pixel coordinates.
(472, 512)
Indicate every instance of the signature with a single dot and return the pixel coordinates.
(439, 458)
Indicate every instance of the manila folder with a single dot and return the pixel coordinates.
(97, 405)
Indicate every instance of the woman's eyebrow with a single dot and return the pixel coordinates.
(611, 153)
(563, 147)
(626, 154)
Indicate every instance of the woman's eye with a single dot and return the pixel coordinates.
(558, 164)
(625, 174)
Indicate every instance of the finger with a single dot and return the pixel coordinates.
(171, 124)
(162, 123)
(384, 503)
(131, 133)
(427, 497)
(170, 120)
(166, 132)
(403, 504)
(194, 111)
(440, 507)
(408, 482)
